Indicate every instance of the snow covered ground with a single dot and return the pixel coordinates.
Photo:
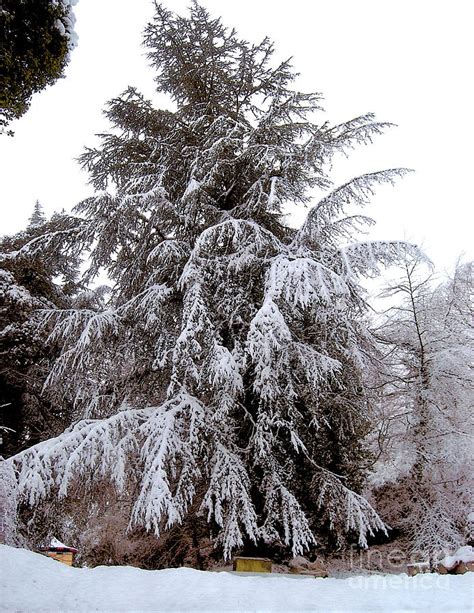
(30, 582)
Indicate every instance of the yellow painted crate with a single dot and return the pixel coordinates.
(66, 557)
(252, 565)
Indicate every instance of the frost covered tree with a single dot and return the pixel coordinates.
(8, 504)
(37, 271)
(37, 217)
(427, 423)
(224, 380)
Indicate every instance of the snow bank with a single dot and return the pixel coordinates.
(463, 554)
(55, 543)
(30, 583)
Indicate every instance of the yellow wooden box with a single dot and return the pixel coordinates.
(66, 557)
(253, 565)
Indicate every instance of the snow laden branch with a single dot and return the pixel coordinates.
(228, 500)
(324, 222)
(280, 502)
(80, 329)
(343, 506)
(89, 448)
(366, 258)
(161, 439)
(328, 140)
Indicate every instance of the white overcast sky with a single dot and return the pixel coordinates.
(409, 61)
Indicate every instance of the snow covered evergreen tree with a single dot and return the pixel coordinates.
(427, 410)
(37, 271)
(37, 217)
(225, 378)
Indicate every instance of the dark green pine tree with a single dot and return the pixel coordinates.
(36, 38)
(224, 384)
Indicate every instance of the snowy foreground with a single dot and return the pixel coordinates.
(30, 582)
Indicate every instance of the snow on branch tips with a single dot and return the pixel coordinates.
(323, 219)
(366, 258)
(228, 500)
(346, 508)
